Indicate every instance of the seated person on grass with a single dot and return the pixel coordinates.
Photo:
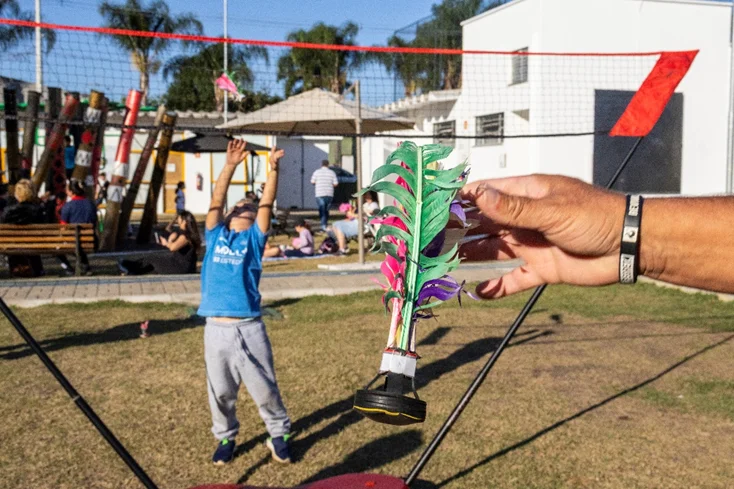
(348, 228)
(301, 246)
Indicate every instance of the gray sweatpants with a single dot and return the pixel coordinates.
(240, 352)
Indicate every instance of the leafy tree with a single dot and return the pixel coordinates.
(11, 35)
(193, 77)
(155, 17)
(305, 69)
(421, 73)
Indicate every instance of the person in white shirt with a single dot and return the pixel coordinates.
(324, 181)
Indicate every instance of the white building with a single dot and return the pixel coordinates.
(505, 96)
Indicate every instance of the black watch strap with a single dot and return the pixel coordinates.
(629, 251)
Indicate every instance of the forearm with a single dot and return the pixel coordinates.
(219, 195)
(689, 241)
(265, 207)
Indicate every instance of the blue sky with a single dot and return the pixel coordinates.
(269, 19)
(266, 19)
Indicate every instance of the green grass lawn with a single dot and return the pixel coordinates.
(614, 387)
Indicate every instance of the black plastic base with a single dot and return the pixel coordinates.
(388, 405)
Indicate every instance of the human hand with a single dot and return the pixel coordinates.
(235, 152)
(164, 241)
(275, 156)
(566, 231)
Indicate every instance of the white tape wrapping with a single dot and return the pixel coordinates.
(92, 116)
(83, 158)
(121, 169)
(89, 181)
(398, 364)
(114, 193)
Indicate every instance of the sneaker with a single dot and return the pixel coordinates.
(123, 269)
(224, 452)
(279, 449)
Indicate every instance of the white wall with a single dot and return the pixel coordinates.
(565, 85)
(303, 156)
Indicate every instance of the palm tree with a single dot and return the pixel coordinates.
(155, 17)
(304, 69)
(194, 76)
(11, 35)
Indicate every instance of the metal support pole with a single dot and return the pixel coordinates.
(358, 166)
(730, 138)
(226, 56)
(482, 375)
(78, 399)
(39, 50)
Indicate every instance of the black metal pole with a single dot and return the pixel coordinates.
(78, 399)
(482, 375)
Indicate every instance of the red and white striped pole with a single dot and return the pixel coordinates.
(120, 171)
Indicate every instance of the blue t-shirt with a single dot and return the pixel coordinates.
(69, 153)
(230, 273)
(79, 211)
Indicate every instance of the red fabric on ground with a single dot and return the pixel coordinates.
(348, 481)
(648, 103)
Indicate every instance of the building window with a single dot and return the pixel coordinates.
(444, 132)
(490, 129)
(520, 67)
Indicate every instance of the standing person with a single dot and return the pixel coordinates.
(180, 197)
(236, 346)
(324, 181)
(78, 210)
(69, 156)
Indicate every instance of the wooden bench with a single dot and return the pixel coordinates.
(47, 239)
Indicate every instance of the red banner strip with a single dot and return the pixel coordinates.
(648, 103)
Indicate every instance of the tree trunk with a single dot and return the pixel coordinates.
(156, 180)
(144, 84)
(132, 191)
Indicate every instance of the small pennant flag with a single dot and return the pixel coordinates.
(225, 83)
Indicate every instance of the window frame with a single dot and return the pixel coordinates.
(490, 139)
(444, 140)
(520, 67)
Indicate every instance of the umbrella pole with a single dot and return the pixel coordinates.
(358, 166)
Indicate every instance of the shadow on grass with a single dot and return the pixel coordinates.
(373, 455)
(122, 332)
(583, 412)
(346, 416)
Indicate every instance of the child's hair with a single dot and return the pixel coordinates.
(67, 139)
(301, 223)
(77, 188)
(24, 191)
(180, 185)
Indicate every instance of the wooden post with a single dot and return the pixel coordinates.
(132, 191)
(29, 133)
(88, 139)
(120, 172)
(55, 141)
(99, 145)
(156, 180)
(56, 177)
(12, 154)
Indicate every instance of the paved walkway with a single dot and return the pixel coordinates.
(186, 288)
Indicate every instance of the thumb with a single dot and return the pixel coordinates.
(510, 210)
